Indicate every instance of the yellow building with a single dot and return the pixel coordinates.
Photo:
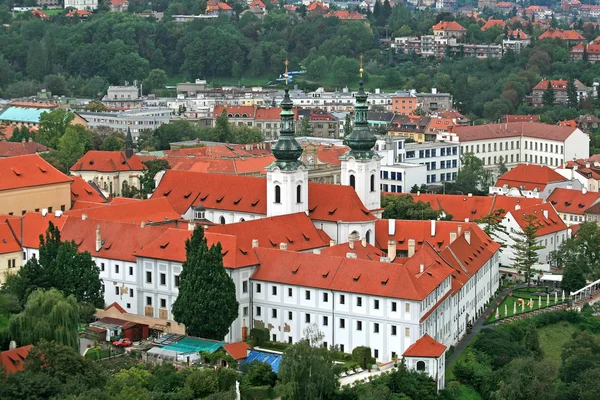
(29, 183)
(11, 253)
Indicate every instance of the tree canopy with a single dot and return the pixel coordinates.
(526, 247)
(406, 207)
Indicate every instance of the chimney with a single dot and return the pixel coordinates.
(58, 213)
(385, 259)
(583, 190)
(83, 217)
(411, 247)
(545, 214)
(459, 230)
(23, 140)
(317, 251)
(283, 246)
(143, 224)
(350, 255)
(191, 225)
(517, 207)
(421, 268)
(331, 243)
(44, 212)
(12, 345)
(254, 243)
(364, 242)
(391, 227)
(391, 249)
(351, 242)
(30, 140)
(433, 228)
(470, 195)
(98, 238)
(452, 237)
(418, 193)
(468, 236)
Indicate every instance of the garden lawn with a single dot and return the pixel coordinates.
(95, 354)
(525, 294)
(449, 372)
(468, 393)
(553, 338)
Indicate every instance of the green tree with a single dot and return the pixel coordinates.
(318, 68)
(37, 61)
(572, 94)
(147, 184)
(49, 316)
(526, 378)
(502, 166)
(572, 278)
(305, 130)
(405, 207)
(258, 374)
(362, 356)
(347, 125)
(72, 144)
(113, 142)
(53, 125)
(532, 342)
(491, 225)
(222, 127)
(549, 97)
(526, 247)
(156, 79)
(472, 177)
(204, 279)
(582, 251)
(345, 70)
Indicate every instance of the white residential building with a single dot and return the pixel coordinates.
(87, 5)
(135, 120)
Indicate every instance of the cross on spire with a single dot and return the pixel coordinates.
(361, 65)
(286, 76)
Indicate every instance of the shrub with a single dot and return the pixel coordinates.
(255, 392)
(362, 356)
(259, 336)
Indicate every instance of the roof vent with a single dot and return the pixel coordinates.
(45, 211)
(283, 246)
(351, 255)
(58, 213)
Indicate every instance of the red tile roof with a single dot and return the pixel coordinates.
(448, 26)
(83, 191)
(519, 34)
(8, 241)
(28, 228)
(155, 210)
(11, 149)
(331, 154)
(117, 306)
(546, 226)
(493, 23)
(235, 166)
(468, 258)
(513, 129)
(326, 202)
(237, 350)
(521, 118)
(426, 347)
(561, 34)
(354, 275)
(39, 14)
(14, 360)
(27, 171)
(363, 252)
(557, 84)
(529, 177)
(78, 13)
(572, 201)
(108, 161)
(347, 15)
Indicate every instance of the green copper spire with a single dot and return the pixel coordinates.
(287, 150)
(361, 141)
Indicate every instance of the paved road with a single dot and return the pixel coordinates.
(479, 325)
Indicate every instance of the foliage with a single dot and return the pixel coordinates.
(362, 356)
(203, 282)
(491, 225)
(53, 125)
(258, 374)
(526, 247)
(549, 97)
(405, 207)
(581, 251)
(259, 336)
(48, 315)
(572, 279)
(472, 177)
(147, 183)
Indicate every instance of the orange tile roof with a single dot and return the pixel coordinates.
(557, 84)
(561, 34)
(237, 350)
(529, 177)
(426, 347)
(78, 13)
(317, 6)
(513, 129)
(441, 124)
(39, 14)
(363, 252)
(7, 131)
(108, 161)
(8, 241)
(14, 360)
(467, 257)
(83, 191)
(347, 15)
(519, 34)
(448, 26)
(326, 202)
(492, 23)
(29, 227)
(12, 149)
(27, 171)
(354, 275)
(570, 122)
(331, 154)
(546, 226)
(251, 165)
(155, 210)
(119, 240)
(572, 201)
(521, 118)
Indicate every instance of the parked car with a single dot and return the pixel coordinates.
(124, 342)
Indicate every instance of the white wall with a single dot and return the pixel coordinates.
(362, 172)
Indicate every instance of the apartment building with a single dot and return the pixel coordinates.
(135, 120)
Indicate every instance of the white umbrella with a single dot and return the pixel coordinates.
(515, 308)
(497, 313)
(505, 310)
(540, 302)
(563, 295)
(555, 297)
(547, 299)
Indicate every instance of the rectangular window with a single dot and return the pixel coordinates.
(359, 325)
(258, 288)
(325, 321)
(177, 280)
(117, 289)
(375, 353)
(289, 292)
(342, 323)
(393, 355)
(102, 267)
(163, 279)
(274, 337)
(148, 301)
(342, 299)
(290, 315)
(393, 330)
(342, 348)
(163, 303)
(128, 305)
(407, 307)
(307, 295)
(376, 305)
(325, 297)
(359, 301)
(148, 277)
(130, 271)
(407, 332)
(376, 328)
(393, 306)
(274, 313)
(245, 287)
(258, 311)
(307, 318)
(274, 290)
(130, 292)
(289, 337)
(116, 268)
(245, 311)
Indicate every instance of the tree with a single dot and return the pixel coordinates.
(72, 144)
(525, 247)
(306, 373)
(491, 225)
(258, 374)
(362, 356)
(305, 131)
(572, 278)
(405, 207)
(548, 98)
(472, 177)
(95, 106)
(203, 281)
(60, 266)
(572, 94)
(318, 68)
(532, 342)
(223, 128)
(157, 79)
(49, 316)
(147, 184)
(53, 125)
(347, 125)
(526, 378)
(502, 166)
(582, 251)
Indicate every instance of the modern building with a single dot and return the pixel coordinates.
(397, 175)
(517, 40)
(135, 120)
(441, 159)
(122, 97)
(87, 5)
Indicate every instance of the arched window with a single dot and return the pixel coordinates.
(372, 182)
(420, 365)
(124, 187)
(368, 236)
(354, 235)
(299, 194)
(222, 220)
(242, 219)
(353, 181)
(277, 194)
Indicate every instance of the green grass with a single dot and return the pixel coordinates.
(468, 393)
(54, 11)
(449, 367)
(553, 338)
(96, 354)
(525, 294)
(4, 321)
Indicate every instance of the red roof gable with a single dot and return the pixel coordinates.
(529, 177)
(237, 350)
(448, 26)
(363, 251)
(83, 191)
(155, 210)
(546, 226)
(561, 34)
(14, 360)
(108, 161)
(513, 129)
(11, 149)
(572, 201)
(8, 241)
(26, 171)
(426, 347)
(79, 13)
(29, 227)
(492, 23)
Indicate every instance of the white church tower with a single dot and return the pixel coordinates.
(287, 176)
(361, 165)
